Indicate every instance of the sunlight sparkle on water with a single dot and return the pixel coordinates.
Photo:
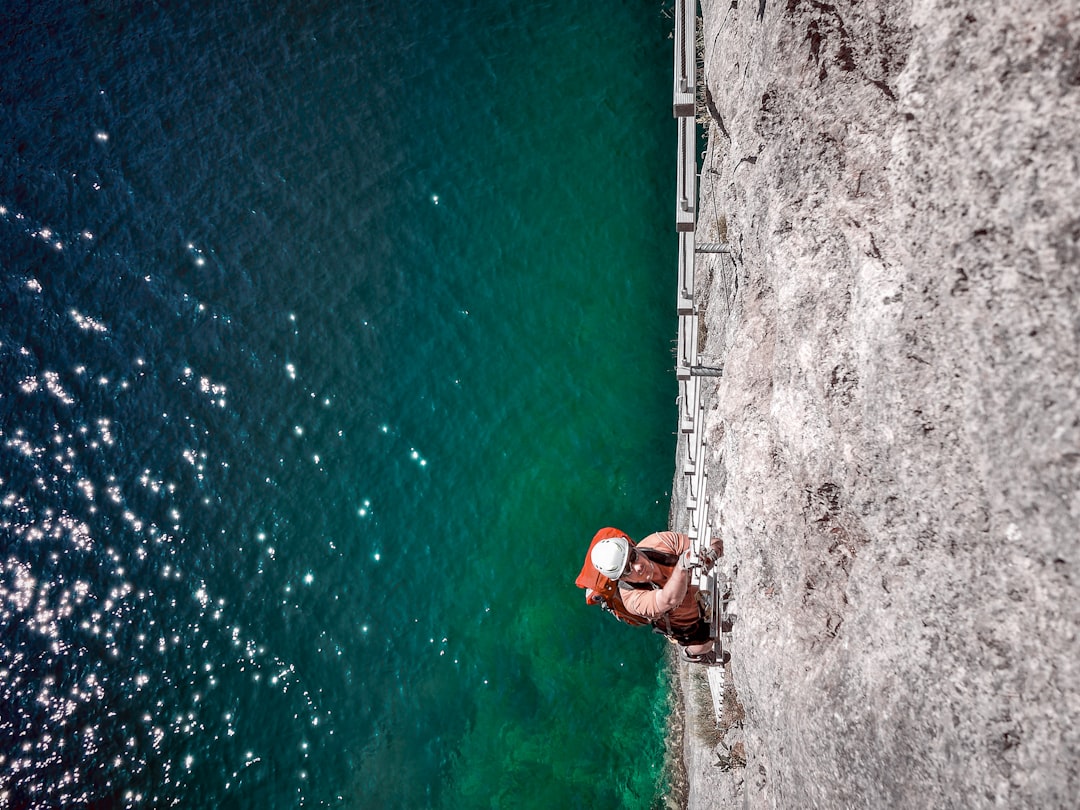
(88, 626)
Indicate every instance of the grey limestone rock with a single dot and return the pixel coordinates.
(895, 443)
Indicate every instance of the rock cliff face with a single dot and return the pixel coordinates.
(895, 443)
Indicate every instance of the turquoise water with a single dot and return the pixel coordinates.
(330, 334)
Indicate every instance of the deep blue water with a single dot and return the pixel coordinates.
(329, 334)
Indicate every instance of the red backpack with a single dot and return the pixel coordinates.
(599, 590)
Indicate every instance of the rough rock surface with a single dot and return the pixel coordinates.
(895, 443)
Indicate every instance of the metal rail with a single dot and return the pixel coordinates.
(688, 366)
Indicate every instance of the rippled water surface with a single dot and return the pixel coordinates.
(330, 333)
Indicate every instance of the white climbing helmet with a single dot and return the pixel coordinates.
(609, 556)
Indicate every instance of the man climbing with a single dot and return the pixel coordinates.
(652, 581)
